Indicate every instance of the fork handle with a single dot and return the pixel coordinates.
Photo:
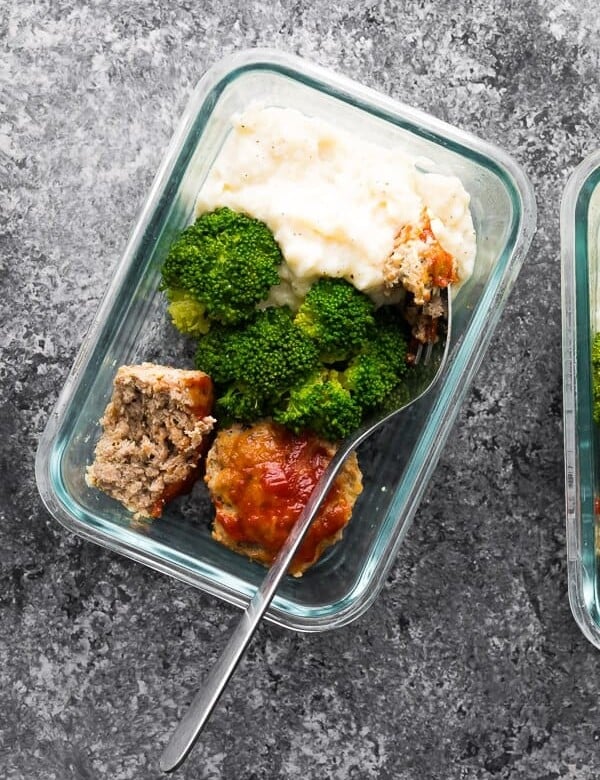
(189, 728)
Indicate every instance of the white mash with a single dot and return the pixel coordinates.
(333, 201)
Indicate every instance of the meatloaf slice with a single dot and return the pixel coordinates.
(260, 478)
(155, 431)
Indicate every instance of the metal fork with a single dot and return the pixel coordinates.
(427, 366)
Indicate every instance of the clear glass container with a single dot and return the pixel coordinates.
(580, 237)
(131, 326)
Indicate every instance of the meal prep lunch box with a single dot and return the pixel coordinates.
(580, 236)
(131, 326)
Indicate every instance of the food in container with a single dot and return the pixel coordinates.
(260, 478)
(342, 236)
(131, 327)
(337, 205)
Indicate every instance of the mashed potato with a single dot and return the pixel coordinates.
(334, 202)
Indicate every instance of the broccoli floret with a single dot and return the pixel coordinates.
(596, 378)
(377, 369)
(239, 403)
(187, 313)
(397, 398)
(369, 379)
(254, 364)
(270, 367)
(390, 338)
(276, 353)
(227, 261)
(270, 354)
(221, 352)
(337, 316)
(322, 404)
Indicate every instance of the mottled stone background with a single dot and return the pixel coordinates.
(469, 665)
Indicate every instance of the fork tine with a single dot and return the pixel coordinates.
(428, 352)
(436, 295)
(418, 354)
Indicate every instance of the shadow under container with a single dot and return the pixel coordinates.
(580, 237)
(131, 326)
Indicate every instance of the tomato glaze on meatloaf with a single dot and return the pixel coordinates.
(260, 478)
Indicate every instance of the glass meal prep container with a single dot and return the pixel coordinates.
(132, 326)
(580, 237)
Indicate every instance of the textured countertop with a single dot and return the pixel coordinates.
(469, 664)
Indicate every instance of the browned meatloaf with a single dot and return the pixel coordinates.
(155, 431)
(260, 478)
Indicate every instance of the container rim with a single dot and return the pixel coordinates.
(575, 189)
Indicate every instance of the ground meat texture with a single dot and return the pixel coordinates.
(260, 478)
(418, 262)
(155, 431)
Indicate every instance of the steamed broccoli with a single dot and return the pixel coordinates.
(377, 369)
(337, 316)
(221, 353)
(322, 404)
(187, 313)
(369, 379)
(596, 377)
(254, 364)
(241, 403)
(390, 338)
(227, 261)
(323, 368)
(269, 366)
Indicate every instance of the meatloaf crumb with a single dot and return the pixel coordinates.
(418, 262)
(260, 478)
(155, 430)
(425, 320)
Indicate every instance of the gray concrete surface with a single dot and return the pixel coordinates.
(469, 664)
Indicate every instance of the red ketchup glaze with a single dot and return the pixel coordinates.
(174, 490)
(440, 264)
(275, 476)
(200, 394)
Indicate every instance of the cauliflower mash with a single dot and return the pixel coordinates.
(334, 202)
